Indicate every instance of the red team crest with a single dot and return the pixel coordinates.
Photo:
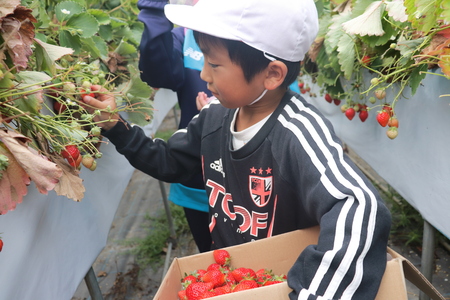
(260, 189)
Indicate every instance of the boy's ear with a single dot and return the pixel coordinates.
(276, 73)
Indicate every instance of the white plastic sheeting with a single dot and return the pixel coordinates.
(417, 163)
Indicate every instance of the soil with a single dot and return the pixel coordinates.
(121, 278)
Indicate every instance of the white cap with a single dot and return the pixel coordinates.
(282, 28)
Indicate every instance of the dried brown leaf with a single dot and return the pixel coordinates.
(315, 48)
(70, 184)
(17, 30)
(44, 173)
(13, 185)
(7, 7)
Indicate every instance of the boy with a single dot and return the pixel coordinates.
(271, 162)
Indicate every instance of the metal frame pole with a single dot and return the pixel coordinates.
(428, 248)
(92, 285)
(172, 239)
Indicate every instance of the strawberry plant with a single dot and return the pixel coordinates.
(52, 55)
(394, 43)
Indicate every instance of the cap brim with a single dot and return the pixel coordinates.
(196, 19)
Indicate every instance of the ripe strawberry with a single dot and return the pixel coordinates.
(337, 101)
(70, 151)
(195, 290)
(222, 290)
(270, 282)
(262, 276)
(84, 93)
(1, 245)
(350, 113)
(363, 115)
(383, 118)
(216, 277)
(366, 60)
(393, 122)
(214, 266)
(182, 295)
(328, 98)
(245, 284)
(208, 294)
(200, 273)
(388, 108)
(222, 257)
(301, 85)
(229, 278)
(392, 132)
(243, 273)
(189, 279)
(58, 107)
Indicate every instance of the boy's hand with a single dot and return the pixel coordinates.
(201, 100)
(103, 100)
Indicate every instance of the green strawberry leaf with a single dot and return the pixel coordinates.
(68, 40)
(126, 33)
(137, 94)
(84, 24)
(106, 33)
(101, 45)
(32, 77)
(117, 23)
(125, 48)
(101, 16)
(335, 32)
(347, 54)
(72, 134)
(32, 103)
(416, 78)
(360, 7)
(369, 23)
(95, 46)
(324, 24)
(43, 19)
(66, 9)
(7, 81)
(410, 7)
(407, 48)
(427, 13)
(136, 32)
(47, 54)
(396, 11)
(445, 5)
(373, 41)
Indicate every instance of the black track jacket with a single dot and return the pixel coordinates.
(292, 174)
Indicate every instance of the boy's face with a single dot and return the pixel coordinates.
(226, 80)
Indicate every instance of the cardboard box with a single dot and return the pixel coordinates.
(279, 253)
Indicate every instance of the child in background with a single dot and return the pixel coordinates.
(270, 161)
(170, 58)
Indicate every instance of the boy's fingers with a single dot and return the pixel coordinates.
(93, 102)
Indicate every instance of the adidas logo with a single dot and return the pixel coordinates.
(193, 54)
(217, 165)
